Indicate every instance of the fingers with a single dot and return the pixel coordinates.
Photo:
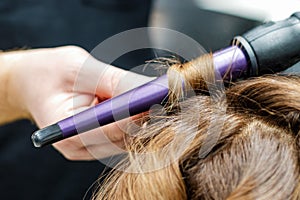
(95, 144)
(93, 152)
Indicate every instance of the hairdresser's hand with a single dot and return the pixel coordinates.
(52, 84)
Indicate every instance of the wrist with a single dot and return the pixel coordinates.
(10, 106)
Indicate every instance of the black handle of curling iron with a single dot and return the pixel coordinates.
(272, 47)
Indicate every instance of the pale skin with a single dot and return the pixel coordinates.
(47, 85)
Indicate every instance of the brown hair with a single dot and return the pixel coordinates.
(254, 145)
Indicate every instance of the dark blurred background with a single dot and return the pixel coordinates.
(29, 173)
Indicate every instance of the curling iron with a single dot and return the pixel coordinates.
(268, 48)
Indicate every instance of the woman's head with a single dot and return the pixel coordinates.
(253, 147)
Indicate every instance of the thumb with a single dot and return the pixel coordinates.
(127, 81)
(105, 81)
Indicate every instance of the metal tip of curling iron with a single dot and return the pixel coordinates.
(46, 135)
(36, 139)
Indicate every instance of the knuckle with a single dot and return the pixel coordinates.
(74, 49)
(74, 53)
(69, 157)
